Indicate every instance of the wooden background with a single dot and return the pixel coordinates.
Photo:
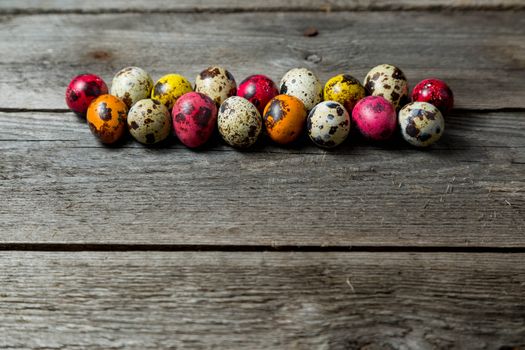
(369, 246)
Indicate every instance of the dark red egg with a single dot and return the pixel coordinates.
(82, 90)
(436, 92)
(258, 89)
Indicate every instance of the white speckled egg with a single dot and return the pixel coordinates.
(303, 84)
(149, 121)
(217, 83)
(239, 122)
(328, 124)
(131, 85)
(421, 123)
(389, 82)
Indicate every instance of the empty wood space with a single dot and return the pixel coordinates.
(368, 246)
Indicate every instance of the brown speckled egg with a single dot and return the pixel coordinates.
(239, 122)
(421, 123)
(389, 82)
(149, 121)
(131, 85)
(303, 84)
(216, 83)
(328, 124)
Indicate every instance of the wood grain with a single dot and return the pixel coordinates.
(62, 6)
(59, 185)
(480, 54)
(168, 300)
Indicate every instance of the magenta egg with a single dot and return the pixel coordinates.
(82, 90)
(259, 90)
(194, 118)
(375, 117)
(436, 92)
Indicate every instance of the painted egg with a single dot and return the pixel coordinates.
(328, 124)
(436, 92)
(82, 90)
(389, 82)
(345, 89)
(239, 122)
(149, 121)
(303, 84)
(284, 118)
(106, 117)
(194, 117)
(131, 85)
(259, 90)
(216, 83)
(421, 123)
(169, 88)
(375, 118)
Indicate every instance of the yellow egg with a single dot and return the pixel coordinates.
(345, 89)
(169, 88)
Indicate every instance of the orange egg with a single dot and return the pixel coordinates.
(284, 118)
(106, 117)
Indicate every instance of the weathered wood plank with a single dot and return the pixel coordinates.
(163, 300)
(481, 54)
(58, 185)
(35, 6)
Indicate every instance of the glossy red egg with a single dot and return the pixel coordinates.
(436, 92)
(375, 117)
(259, 90)
(82, 90)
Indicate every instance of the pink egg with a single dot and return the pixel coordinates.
(194, 118)
(375, 117)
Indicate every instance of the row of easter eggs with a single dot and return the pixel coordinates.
(240, 113)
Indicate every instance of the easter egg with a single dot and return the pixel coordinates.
(436, 92)
(345, 89)
(82, 90)
(375, 117)
(284, 118)
(149, 121)
(131, 85)
(328, 124)
(194, 117)
(217, 83)
(169, 88)
(239, 122)
(303, 84)
(389, 82)
(421, 123)
(258, 89)
(106, 117)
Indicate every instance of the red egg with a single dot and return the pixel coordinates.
(375, 117)
(194, 118)
(259, 90)
(82, 90)
(436, 92)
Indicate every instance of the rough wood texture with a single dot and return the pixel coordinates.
(170, 300)
(35, 6)
(481, 54)
(59, 185)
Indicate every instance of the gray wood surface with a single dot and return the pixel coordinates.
(189, 300)
(480, 54)
(36, 6)
(59, 185)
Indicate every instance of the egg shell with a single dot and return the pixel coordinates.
(436, 92)
(239, 122)
(106, 117)
(284, 118)
(328, 124)
(375, 118)
(421, 123)
(149, 121)
(131, 85)
(82, 90)
(217, 83)
(345, 89)
(259, 90)
(389, 82)
(169, 88)
(194, 118)
(303, 84)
